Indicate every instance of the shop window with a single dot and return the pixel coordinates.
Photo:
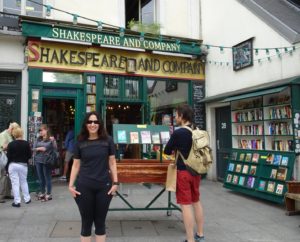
(13, 7)
(60, 77)
(164, 98)
(131, 88)
(140, 10)
(34, 9)
(111, 86)
(31, 8)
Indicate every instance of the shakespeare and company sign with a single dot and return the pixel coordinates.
(82, 58)
(100, 38)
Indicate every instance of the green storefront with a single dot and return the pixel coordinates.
(75, 70)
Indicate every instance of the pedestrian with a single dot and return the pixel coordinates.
(69, 146)
(187, 187)
(95, 172)
(5, 184)
(18, 154)
(42, 147)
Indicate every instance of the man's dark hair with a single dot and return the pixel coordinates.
(186, 112)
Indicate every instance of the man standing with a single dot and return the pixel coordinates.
(69, 146)
(187, 188)
(5, 184)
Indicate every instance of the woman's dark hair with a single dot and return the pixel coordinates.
(186, 112)
(84, 133)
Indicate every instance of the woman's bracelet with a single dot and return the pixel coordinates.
(116, 183)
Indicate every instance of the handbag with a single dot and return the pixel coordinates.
(171, 180)
(51, 159)
(3, 160)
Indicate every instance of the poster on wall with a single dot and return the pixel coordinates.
(242, 55)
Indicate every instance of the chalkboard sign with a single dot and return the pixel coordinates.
(199, 108)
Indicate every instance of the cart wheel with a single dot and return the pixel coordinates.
(169, 213)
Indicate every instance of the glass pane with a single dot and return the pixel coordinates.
(164, 97)
(59, 77)
(33, 9)
(111, 86)
(147, 12)
(131, 88)
(12, 6)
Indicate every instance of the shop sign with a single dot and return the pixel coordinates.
(83, 58)
(100, 38)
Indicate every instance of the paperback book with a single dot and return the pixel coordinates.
(248, 157)
(273, 173)
(121, 136)
(271, 186)
(253, 170)
(284, 161)
(134, 137)
(242, 180)
(255, 157)
(238, 168)
(261, 185)
(165, 136)
(229, 178)
(281, 173)
(146, 137)
(155, 138)
(250, 181)
(279, 189)
(270, 158)
(231, 167)
(242, 156)
(277, 160)
(234, 155)
(235, 179)
(245, 169)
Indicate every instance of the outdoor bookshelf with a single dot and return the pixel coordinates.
(91, 96)
(265, 137)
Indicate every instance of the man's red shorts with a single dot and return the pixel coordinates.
(187, 190)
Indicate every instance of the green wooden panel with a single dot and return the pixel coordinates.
(35, 76)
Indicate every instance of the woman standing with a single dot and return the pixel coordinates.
(95, 171)
(42, 147)
(18, 154)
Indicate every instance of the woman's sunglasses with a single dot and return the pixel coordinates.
(93, 121)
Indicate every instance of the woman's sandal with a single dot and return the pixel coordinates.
(47, 198)
(40, 196)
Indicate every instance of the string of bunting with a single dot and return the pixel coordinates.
(279, 51)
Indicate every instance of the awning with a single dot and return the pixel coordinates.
(254, 94)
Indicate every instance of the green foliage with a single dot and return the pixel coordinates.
(153, 28)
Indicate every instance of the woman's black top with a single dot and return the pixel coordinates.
(94, 156)
(18, 151)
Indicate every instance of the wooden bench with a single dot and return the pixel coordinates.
(292, 195)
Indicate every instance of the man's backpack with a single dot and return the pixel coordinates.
(200, 156)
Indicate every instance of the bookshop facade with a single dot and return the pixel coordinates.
(131, 86)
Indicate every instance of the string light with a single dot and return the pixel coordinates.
(122, 32)
(142, 36)
(75, 19)
(48, 10)
(100, 27)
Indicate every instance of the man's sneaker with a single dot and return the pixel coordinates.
(28, 201)
(63, 178)
(16, 205)
(199, 238)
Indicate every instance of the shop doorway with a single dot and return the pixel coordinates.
(223, 133)
(124, 113)
(59, 115)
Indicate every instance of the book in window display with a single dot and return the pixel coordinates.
(238, 168)
(250, 181)
(271, 186)
(284, 161)
(134, 137)
(255, 157)
(229, 178)
(235, 179)
(277, 160)
(261, 185)
(270, 158)
(234, 155)
(121, 135)
(242, 180)
(231, 167)
(242, 157)
(155, 138)
(273, 173)
(253, 170)
(165, 136)
(279, 189)
(146, 137)
(248, 157)
(281, 173)
(245, 169)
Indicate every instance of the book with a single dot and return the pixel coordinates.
(245, 169)
(279, 189)
(242, 180)
(235, 179)
(250, 181)
(270, 158)
(277, 160)
(231, 167)
(273, 173)
(134, 137)
(261, 185)
(255, 157)
(229, 178)
(281, 173)
(238, 168)
(284, 161)
(234, 155)
(242, 156)
(165, 136)
(248, 157)
(121, 136)
(146, 137)
(155, 138)
(271, 186)
(252, 170)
